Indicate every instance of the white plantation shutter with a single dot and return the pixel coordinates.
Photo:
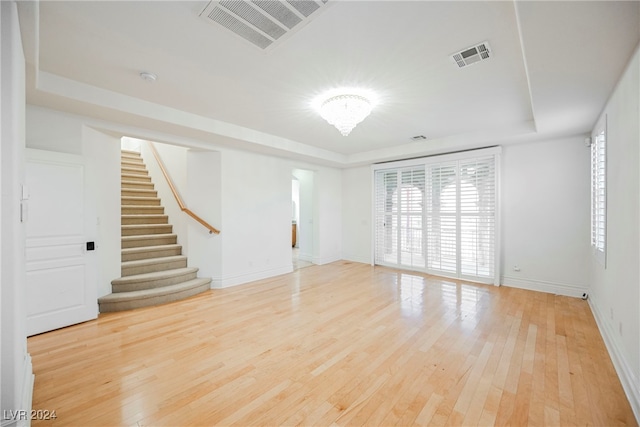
(386, 248)
(477, 217)
(398, 217)
(410, 198)
(441, 210)
(599, 192)
(439, 215)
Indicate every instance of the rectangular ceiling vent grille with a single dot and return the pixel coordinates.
(305, 7)
(472, 55)
(262, 22)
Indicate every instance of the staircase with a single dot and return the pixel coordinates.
(154, 271)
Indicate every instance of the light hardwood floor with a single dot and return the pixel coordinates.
(343, 344)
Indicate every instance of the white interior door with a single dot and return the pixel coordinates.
(61, 288)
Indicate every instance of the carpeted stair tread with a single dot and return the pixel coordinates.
(134, 177)
(124, 183)
(151, 238)
(133, 167)
(147, 252)
(156, 275)
(159, 260)
(150, 249)
(143, 226)
(140, 192)
(127, 296)
(148, 236)
(132, 162)
(146, 227)
(150, 265)
(148, 297)
(145, 216)
(145, 209)
(143, 200)
(132, 219)
(133, 171)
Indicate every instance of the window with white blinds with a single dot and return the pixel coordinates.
(398, 217)
(599, 191)
(438, 216)
(441, 211)
(477, 217)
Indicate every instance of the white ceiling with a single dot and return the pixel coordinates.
(553, 66)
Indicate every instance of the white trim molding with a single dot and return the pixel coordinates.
(364, 259)
(27, 391)
(305, 256)
(241, 279)
(544, 286)
(630, 383)
(326, 260)
(20, 417)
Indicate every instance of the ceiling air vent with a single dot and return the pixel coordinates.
(472, 55)
(264, 23)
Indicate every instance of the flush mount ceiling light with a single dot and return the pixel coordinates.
(345, 108)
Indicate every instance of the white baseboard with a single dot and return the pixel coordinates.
(27, 390)
(364, 259)
(240, 279)
(544, 286)
(326, 260)
(629, 381)
(22, 413)
(305, 257)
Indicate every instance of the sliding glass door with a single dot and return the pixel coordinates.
(438, 215)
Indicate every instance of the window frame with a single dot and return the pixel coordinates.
(598, 183)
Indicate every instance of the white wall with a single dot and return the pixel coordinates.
(204, 187)
(356, 214)
(131, 144)
(51, 130)
(16, 374)
(256, 217)
(545, 215)
(327, 215)
(101, 153)
(615, 289)
(61, 132)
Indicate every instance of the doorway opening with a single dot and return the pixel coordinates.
(302, 218)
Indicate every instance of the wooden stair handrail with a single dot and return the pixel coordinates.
(183, 208)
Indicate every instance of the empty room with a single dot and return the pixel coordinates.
(320, 212)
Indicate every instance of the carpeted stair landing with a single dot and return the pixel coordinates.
(154, 271)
